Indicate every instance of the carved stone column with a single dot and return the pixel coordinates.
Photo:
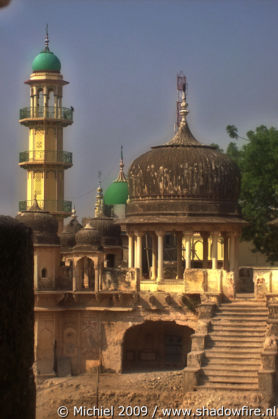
(205, 236)
(187, 237)
(226, 251)
(154, 257)
(232, 251)
(130, 251)
(74, 281)
(179, 255)
(139, 236)
(214, 250)
(160, 235)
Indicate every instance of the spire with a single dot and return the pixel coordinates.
(73, 213)
(99, 198)
(183, 136)
(46, 39)
(183, 107)
(121, 176)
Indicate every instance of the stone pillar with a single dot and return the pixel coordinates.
(45, 102)
(130, 251)
(96, 266)
(205, 236)
(232, 251)
(35, 102)
(74, 280)
(214, 250)
(187, 237)
(139, 251)
(135, 251)
(17, 320)
(160, 235)
(179, 255)
(154, 256)
(36, 274)
(226, 251)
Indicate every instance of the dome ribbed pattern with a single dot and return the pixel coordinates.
(183, 177)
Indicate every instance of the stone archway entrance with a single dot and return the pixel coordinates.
(156, 345)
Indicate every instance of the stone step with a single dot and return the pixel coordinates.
(243, 296)
(241, 327)
(215, 337)
(231, 380)
(234, 365)
(240, 334)
(250, 321)
(231, 354)
(228, 387)
(236, 346)
(239, 372)
(242, 307)
(240, 316)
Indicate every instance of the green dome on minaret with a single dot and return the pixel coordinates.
(46, 60)
(117, 192)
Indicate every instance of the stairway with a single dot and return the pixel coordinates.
(232, 352)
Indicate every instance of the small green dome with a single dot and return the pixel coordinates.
(116, 193)
(46, 61)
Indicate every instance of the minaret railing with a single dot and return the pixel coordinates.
(46, 205)
(45, 156)
(49, 112)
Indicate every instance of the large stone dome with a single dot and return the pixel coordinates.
(183, 178)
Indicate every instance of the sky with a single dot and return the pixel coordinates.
(121, 58)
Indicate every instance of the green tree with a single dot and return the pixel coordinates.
(258, 163)
(234, 152)
(217, 147)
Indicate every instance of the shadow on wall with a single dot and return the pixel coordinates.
(17, 320)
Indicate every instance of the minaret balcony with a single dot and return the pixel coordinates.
(50, 157)
(58, 207)
(29, 115)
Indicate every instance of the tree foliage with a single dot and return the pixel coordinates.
(258, 163)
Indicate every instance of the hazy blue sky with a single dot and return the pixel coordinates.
(121, 58)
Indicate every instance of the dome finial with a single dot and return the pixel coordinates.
(183, 107)
(99, 198)
(121, 176)
(46, 39)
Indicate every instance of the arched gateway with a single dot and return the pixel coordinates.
(156, 345)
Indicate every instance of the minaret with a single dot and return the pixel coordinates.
(99, 199)
(45, 160)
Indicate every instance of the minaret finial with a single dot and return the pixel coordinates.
(73, 212)
(99, 198)
(46, 39)
(121, 177)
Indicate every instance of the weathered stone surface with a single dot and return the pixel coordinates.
(17, 322)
